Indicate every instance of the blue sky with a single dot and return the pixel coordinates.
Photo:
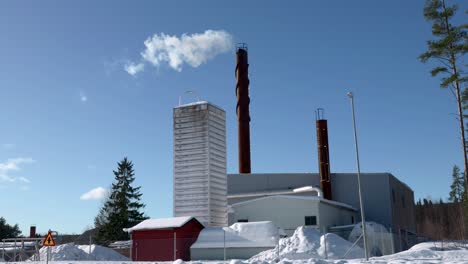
(69, 110)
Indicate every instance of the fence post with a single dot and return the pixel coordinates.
(131, 249)
(400, 238)
(175, 246)
(392, 242)
(279, 250)
(224, 244)
(89, 251)
(382, 243)
(325, 242)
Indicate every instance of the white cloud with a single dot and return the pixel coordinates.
(8, 146)
(23, 179)
(83, 97)
(95, 194)
(13, 165)
(194, 49)
(133, 68)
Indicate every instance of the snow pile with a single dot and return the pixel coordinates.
(253, 234)
(81, 252)
(440, 246)
(307, 243)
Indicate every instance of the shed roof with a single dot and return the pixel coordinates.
(161, 223)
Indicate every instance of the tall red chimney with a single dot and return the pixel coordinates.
(32, 231)
(242, 108)
(323, 154)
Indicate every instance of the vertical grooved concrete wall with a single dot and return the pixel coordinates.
(200, 179)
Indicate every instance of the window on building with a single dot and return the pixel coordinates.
(242, 220)
(403, 201)
(352, 219)
(393, 196)
(310, 220)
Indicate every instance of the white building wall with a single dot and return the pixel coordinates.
(200, 179)
(331, 215)
(289, 213)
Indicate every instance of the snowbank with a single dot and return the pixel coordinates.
(440, 246)
(253, 234)
(307, 243)
(81, 252)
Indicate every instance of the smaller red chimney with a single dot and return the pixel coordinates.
(323, 155)
(32, 231)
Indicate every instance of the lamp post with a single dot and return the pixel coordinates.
(363, 218)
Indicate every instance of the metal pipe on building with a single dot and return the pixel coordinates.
(323, 154)
(242, 107)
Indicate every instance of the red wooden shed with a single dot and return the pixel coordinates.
(156, 239)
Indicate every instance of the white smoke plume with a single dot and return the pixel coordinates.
(194, 50)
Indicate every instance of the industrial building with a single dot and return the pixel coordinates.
(386, 200)
(288, 212)
(200, 184)
(286, 201)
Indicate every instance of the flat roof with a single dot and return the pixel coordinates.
(309, 198)
(199, 103)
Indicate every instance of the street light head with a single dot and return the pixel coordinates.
(350, 94)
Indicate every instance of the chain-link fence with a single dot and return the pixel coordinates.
(20, 249)
(380, 240)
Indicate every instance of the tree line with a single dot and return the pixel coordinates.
(447, 50)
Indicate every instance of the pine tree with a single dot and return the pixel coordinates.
(8, 231)
(448, 49)
(122, 209)
(457, 188)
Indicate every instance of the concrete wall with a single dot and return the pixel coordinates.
(285, 213)
(335, 216)
(375, 194)
(231, 253)
(200, 179)
(402, 206)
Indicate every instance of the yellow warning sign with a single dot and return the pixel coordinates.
(48, 240)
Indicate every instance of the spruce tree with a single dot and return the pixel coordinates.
(448, 49)
(457, 187)
(8, 231)
(122, 208)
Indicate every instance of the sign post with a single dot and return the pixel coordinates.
(48, 242)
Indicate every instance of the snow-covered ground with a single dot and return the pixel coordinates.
(306, 246)
(81, 252)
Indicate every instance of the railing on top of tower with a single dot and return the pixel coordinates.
(319, 114)
(242, 46)
(193, 92)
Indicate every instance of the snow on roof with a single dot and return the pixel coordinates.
(192, 103)
(160, 223)
(276, 192)
(199, 103)
(252, 234)
(310, 198)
